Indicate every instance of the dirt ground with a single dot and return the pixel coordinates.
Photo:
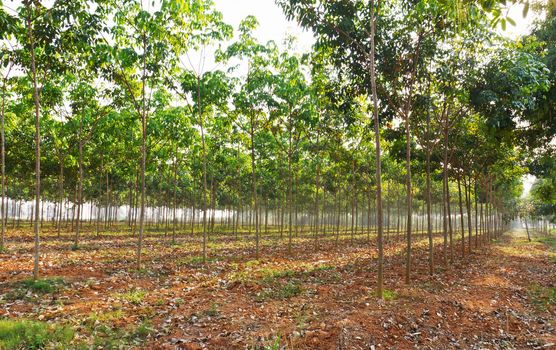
(502, 296)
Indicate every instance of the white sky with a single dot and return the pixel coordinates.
(272, 22)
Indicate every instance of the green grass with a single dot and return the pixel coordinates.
(213, 311)
(43, 286)
(22, 289)
(550, 241)
(389, 295)
(268, 275)
(23, 334)
(134, 296)
(542, 298)
(104, 336)
(280, 291)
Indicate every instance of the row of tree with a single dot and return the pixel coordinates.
(396, 107)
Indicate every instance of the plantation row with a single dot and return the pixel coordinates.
(163, 115)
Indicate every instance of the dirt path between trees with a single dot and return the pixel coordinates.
(498, 297)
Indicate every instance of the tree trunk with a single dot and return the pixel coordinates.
(37, 142)
(380, 277)
(143, 158)
(461, 218)
(409, 199)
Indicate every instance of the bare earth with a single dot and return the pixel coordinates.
(498, 297)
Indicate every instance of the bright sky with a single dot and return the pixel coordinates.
(272, 22)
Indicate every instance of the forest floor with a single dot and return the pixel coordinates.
(502, 296)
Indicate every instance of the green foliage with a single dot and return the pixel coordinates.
(23, 334)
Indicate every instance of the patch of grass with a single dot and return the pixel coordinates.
(389, 295)
(134, 296)
(242, 277)
(213, 311)
(106, 337)
(105, 316)
(23, 334)
(252, 263)
(23, 289)
(543, 298)
(142, 331)
(269, 275)
(281, 292)
(324, 268)
(550, 241)
(43, 286)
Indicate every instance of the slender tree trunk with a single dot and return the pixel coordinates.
(79, 184)
(37, 141)
(175, 204)
(3, 208)
(204, 154)
(143, 157)
(254, 184)
(428, 198)
(60, 195)
(409, 199)
(527, 229)
(461, 218)
(317, 186)
(380, 274)
(468, 202)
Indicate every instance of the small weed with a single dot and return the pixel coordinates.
(268, 275)
(301, 320)
(285, 291)
(106, 337)
(252, 263)
(213, 311)
(23, 334)
(134, 296)
(323, 268)
(242, 277)
(269, 344)
(104, 316)
(142, 331)
(23, 289)
(289, 290)
(389, 295)
(542, 298)
(43, 286)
